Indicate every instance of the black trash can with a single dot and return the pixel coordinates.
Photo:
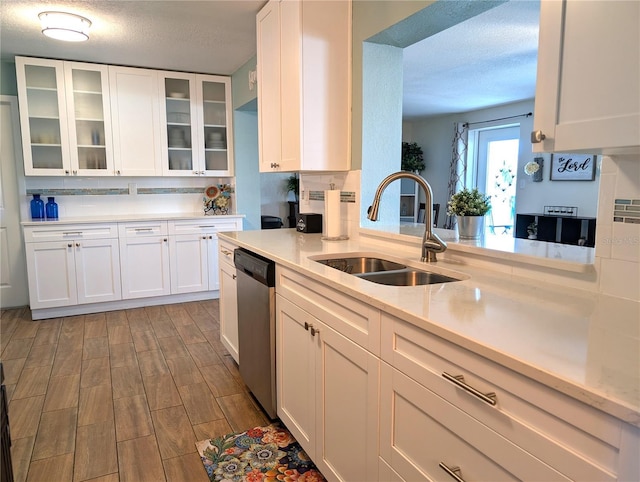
(270, 222)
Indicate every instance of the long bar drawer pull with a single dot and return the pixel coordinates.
(143, 230)
(72, 233)
(226, 253)
(454, 472)
(458, 380)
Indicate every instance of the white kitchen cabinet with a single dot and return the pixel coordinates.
(304, 92)
(144, 256)
(69, 265)
(228, 300)
(327, 394)
(89, 115)
(197, 129)
(531, 432)
(193, 253)
(135, 108)
(587, 95)
(65, 117)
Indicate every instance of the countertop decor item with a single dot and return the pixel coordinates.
(37, 207)
(469, 206)
(412, 157)
(51, 208)
(532, 230)
(217, 199)
(293, 186)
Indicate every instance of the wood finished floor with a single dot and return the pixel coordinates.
(120, 396)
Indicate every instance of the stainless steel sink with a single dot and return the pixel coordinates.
(361, 264)
(383, 271)
(407, 277)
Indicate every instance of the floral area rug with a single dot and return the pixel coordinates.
(261, 454)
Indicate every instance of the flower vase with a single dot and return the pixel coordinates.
(470, 227)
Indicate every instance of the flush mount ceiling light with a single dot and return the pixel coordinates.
(65, 26)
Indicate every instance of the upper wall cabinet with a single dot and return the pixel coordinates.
(587, 94)
(135, 105)
(304, 86)
(89, 119)
(197, 134)
(65, 117)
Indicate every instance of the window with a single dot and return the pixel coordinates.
(494, 156)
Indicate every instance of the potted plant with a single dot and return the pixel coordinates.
(469, 206)
(292, 184)
(412, 157)
(532, 230)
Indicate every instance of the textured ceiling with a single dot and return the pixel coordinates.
(194, 36)
(486, 60)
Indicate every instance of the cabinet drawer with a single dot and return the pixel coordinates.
(356, 320)
(579, 441)
(225, 253)
(421, 434)
(212, 225)
(143, 228)
(60, 232)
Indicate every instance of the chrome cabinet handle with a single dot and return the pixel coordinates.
(225, 252)
(314, 331)
(537, 137)
(66, 171)
(454, 472)
(118, 172)
(204, 237)
(458, 380)
(233, 276)
(69, 245)
(75, 172)
(274, 165)
(165, 240)
(77, 245)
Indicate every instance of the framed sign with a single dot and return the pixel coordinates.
(573, 167)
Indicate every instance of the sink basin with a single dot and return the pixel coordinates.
(361, 264)
(407, 277)
(375, 269)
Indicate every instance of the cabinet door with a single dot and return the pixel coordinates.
(229, 309)
(98, 270)
(188, 258)
(136, 121)
(587, 96)
(215, 136)
(89, 112)
(145, 266)
(295, 365)
(268, 72)
(43, 116)
(180, 146)
(346, 407)
(212, 262)
(52, 274)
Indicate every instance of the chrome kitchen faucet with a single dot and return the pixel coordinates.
(431, 243)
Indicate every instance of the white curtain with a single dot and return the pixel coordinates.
(458, 167)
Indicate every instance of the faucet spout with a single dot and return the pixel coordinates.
(431, 242)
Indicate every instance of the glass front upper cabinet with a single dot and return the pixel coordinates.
(90, 119)
(41, 98)
(216, 126)
(180, 156)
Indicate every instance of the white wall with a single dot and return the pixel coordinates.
(435, 136)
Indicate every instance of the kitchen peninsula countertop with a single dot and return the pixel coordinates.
(564, 338)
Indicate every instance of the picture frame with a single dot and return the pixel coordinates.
(572, 167)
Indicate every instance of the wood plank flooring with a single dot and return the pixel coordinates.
(120, 396)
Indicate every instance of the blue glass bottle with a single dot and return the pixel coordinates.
(37, 207)
(51, 209)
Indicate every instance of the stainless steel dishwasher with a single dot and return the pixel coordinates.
(256, 326)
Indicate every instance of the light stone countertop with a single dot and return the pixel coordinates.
(122, 218)
(580, 343)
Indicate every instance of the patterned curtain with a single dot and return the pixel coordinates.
(458, 167)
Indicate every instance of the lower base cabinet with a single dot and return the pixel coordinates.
(424, 437)
(327, 394)
(228, 300)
